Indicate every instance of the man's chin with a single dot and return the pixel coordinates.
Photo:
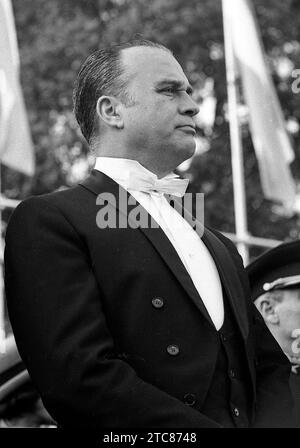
(188, 151)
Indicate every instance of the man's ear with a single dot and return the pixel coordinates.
(266, 305)
(108, 109)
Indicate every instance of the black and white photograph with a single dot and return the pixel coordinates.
(150, 218)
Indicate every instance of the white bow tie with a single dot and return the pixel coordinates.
(170, 184)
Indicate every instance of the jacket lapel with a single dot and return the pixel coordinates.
(98, 183)
(230, 279)
(171, 258)
(228, 273)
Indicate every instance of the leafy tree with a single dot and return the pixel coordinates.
(55, 37)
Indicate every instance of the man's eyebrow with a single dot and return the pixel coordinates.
(173, 83)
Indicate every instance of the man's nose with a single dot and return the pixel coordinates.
(189, 106)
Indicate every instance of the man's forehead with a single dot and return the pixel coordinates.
(155, 62)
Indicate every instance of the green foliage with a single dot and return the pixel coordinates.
(56, 36)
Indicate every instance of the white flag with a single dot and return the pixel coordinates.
(270, 139)
(16, 149)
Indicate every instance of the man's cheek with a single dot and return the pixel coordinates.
(296, 341)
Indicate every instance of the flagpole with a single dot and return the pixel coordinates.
(237, 162)
(2, 306)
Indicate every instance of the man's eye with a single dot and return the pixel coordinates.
(170, 90)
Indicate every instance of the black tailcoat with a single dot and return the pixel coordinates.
(80, 300)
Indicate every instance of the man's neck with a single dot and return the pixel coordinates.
(146, 164)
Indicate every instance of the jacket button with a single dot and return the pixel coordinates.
(157, 302)
(173, 350)
(189, 399)
(232, 373)
(236, 412)
(223, 337)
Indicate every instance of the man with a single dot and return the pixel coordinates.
(137, 327)
(275, 284)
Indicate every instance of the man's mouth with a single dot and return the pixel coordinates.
(188, 129)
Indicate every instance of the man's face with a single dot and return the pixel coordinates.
(159, 128)
(289, 318)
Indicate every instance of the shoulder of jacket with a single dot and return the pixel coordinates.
(53, 199)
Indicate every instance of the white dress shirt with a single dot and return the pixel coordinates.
(187, 243)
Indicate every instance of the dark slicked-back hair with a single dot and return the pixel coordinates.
(102, 73)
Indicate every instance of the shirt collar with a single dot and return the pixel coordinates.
(120, 170)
